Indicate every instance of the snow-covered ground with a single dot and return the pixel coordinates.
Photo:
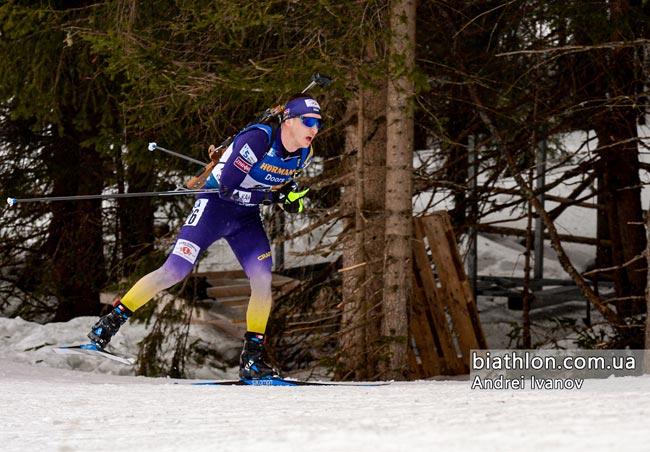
(50, 402)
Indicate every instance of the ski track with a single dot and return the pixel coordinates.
(63, 410)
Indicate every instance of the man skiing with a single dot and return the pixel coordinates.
(257, 168)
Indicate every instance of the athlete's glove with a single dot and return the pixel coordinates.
(290, 197)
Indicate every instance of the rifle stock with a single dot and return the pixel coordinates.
(198, 180)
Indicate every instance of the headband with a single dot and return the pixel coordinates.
(301, 106)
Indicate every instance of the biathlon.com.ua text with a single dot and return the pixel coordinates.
(549, 369)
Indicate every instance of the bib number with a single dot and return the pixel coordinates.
(197, 212)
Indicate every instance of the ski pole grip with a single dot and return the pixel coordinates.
(152, 146)
(317, 79)
(321, 80)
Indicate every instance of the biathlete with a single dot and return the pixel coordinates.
(258, 161)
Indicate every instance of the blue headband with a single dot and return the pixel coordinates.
(301, 106)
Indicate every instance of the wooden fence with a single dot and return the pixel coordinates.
(444, 320)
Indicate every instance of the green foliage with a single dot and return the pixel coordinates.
(164, 351)
(604, 336)
(208, 67)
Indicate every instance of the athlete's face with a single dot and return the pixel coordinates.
(302, 130)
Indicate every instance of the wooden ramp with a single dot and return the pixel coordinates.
(444, 320)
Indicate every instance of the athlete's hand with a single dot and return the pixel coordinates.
(290, 197)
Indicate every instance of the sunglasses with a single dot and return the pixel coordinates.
(308, 121)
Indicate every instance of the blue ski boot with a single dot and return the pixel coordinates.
(108, 325)
(252, 361)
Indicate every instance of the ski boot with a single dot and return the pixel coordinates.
(108, 325)
(252, 361)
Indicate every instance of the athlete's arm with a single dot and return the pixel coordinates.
(248, 148)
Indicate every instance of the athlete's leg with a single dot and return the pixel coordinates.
(173, 271)
(197, 234)
(251, 247)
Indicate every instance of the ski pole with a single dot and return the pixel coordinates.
(13, 201)
(154, 146)
(317, 79)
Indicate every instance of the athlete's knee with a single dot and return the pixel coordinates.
(260, 279)
(173, 272)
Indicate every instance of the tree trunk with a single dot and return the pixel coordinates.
(352, 340)
(398, 261)
(622, 195)
(615, 124)
(136, 217)
(362, 286)
(74, 269)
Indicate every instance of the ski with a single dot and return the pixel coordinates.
(287, 382)
(90, 349)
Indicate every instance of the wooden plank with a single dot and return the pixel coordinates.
(468, 296)
(450, 278)
(234, 302)
(228, 282)
(237, 278)
(458, 297)
(283, 284)
(228, 274)
(423, 335)
(439, 330)
(280, 280)
(231, 290)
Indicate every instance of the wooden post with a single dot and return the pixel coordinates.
(472, 253)
(538, 271)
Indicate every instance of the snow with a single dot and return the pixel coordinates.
(50, 402)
